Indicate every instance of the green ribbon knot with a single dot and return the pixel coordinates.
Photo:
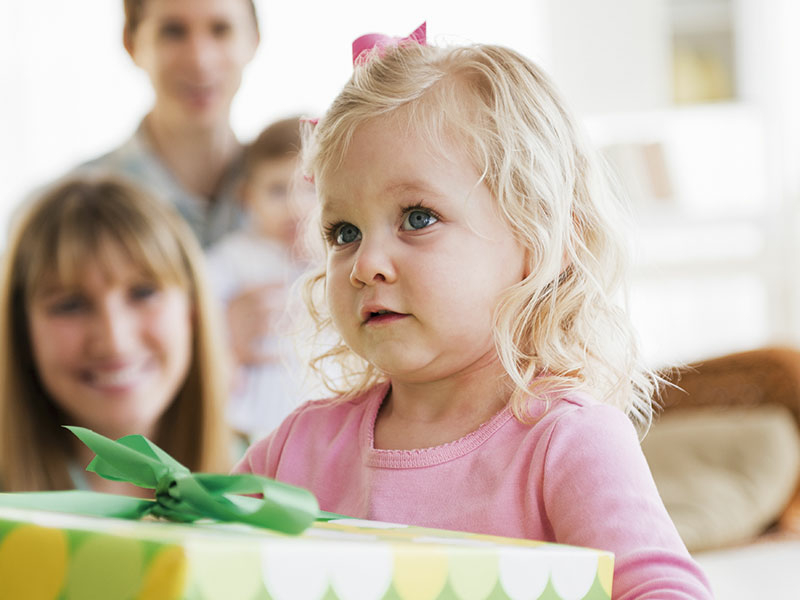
(180, 495)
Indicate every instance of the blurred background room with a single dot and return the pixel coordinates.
(695, 103)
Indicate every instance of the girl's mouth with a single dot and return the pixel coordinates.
(383, 316)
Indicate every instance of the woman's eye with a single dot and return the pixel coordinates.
(418, 219)
(69, 305)
(143, 291)
(344, 233)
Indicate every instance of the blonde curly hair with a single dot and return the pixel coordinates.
(561, 328)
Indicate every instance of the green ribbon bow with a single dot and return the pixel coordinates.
(180, 495)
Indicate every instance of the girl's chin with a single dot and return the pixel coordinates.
(401, 371)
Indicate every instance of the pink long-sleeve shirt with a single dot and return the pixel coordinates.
(577, 476)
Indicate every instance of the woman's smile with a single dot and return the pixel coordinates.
(119, 378)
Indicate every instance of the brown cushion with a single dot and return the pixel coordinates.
(724, 474)
(752, 378)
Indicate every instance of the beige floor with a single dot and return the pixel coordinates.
(765, 570)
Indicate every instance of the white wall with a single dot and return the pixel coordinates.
(611, 55)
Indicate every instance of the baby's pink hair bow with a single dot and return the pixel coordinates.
(362, 45)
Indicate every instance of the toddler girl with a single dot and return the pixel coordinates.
(490, 383)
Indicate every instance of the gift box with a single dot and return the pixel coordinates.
(57, 556)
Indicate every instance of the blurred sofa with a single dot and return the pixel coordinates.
(725, 455)
(725, 452)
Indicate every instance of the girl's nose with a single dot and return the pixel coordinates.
(373, 263)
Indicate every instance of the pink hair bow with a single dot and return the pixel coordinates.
(362, 45)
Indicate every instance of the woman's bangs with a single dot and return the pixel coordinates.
(63, 258)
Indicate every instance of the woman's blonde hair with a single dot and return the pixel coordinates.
(55, 236)
(562, 327)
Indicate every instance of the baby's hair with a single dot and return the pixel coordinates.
(53, 238)
(278, 140)
(561, 328)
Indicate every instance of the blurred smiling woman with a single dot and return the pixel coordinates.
(106, 323)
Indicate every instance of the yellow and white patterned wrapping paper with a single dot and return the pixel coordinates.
(56, 556)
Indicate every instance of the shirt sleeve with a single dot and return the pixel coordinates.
(598, 493)
(263, 457)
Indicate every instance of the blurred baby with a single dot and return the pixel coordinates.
(255, 267)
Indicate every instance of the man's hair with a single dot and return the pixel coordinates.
(135, 8)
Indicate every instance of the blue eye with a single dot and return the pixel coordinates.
(340, 234)
(418, 219)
